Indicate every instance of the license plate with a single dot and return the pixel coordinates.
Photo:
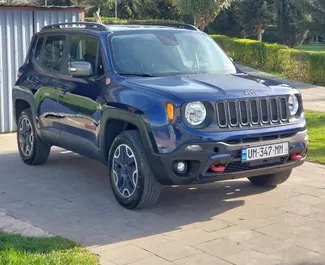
(266, 151)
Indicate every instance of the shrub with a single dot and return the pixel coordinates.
(300, 65)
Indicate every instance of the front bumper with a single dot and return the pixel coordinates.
(228, 154)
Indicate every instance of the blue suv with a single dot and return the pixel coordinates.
(158, 104)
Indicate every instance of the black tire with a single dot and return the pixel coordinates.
(271, 180)
(39, 152)
(147, 188)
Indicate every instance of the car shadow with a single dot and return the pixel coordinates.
(70, 195)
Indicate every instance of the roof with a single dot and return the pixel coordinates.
(115, 28)
(34, 6)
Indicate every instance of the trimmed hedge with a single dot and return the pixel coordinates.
(300, 65)
(117, 21)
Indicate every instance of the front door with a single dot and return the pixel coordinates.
(78, 98)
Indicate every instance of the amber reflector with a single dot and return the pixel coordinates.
(170, 111)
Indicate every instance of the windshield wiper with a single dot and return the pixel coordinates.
(137, 74)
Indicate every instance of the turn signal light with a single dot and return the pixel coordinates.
(170, 111)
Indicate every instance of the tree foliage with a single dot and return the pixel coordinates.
(255, 16)
(291, 18)
(203, 11)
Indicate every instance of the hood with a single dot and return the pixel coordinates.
(207, 87)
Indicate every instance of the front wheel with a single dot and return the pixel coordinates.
(271, 180)
(132, 181)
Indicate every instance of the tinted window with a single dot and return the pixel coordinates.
(85, 48)
(53, 52)
(37, 51)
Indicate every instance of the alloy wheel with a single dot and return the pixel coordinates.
(26, 137)
(125, 170)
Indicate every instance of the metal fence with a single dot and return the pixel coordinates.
(16, 30)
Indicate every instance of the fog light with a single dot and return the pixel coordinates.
(180, 167)
(193, 148)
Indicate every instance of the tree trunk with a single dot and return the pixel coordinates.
(259, 34)
(203, 20)
(115, 8)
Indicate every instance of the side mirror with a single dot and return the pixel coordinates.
(80, 69)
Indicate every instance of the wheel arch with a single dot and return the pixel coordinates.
(116, 121)
(24, 98)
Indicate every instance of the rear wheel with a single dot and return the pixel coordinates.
(132, 181)
(271, 180)
(32, 149)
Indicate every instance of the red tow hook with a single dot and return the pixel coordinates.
(295, 156)
(218, 169)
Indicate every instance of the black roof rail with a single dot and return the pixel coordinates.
(87, 25)
(170, 24)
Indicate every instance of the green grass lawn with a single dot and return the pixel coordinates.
(312, 47)
(20, 250)
(316, 132)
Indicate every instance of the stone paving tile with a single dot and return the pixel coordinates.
(307, 199)
(288, 219)
(279, 231)
(172, 251)
(212, 225)
(318, 216)
(107, 247)
(151, 240)
(299, 256)
(252, 222)
(105, 262)
(320, 205)
(201, 259)
(266, 245)
(193, 236)
(236, 234)
(154, 260)
(301, 209)
(303, 189)
(251, 257)
(220, 248)
(126, 254)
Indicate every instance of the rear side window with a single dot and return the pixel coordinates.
(38, 48)
(53, 53)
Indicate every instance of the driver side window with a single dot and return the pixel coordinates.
(85, 48)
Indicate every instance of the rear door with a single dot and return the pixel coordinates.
(79, 98)
(46, 67)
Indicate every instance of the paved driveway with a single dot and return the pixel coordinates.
(222, 223)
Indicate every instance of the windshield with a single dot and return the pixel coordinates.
(168, 53)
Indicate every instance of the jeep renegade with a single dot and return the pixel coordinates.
(158, 104)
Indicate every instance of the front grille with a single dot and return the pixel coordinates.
(252, 112)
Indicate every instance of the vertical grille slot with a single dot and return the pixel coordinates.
(221, 114)
(274, 110)
(264, 110)
(254, 111)
(243, 111)
(283, 109)
(233, 115)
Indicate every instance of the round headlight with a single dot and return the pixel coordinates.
(293, 105)
(195, 113)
